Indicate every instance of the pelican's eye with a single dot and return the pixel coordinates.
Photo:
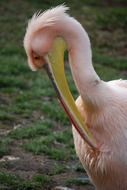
(36, 57)
(37, 61)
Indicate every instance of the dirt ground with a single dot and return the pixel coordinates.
(26, 165)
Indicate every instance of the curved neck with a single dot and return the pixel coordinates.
(80, 56)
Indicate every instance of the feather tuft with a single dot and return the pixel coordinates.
(44, 19)
(47, 18)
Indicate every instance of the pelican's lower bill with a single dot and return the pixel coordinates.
(55, 70)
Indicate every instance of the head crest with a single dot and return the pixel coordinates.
(41, 20)
(47, 18)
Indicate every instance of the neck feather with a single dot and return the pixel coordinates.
(80, 56)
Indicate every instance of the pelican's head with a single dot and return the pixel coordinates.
(45, 47)
(41, 34)
(37, 47)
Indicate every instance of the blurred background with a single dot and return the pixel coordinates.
(36, 144)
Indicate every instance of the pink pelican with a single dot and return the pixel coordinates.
(99, 116)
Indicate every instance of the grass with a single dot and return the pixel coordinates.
(27, 98)
(42, 180)
(119, 19)
(50, 145)
(37, 129)
(55, 112)
(5, 146)
(39, 146)
(16, 183)
(78, 181)
(57, 169)
(64, 137)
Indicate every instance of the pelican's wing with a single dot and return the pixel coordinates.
(120, 83)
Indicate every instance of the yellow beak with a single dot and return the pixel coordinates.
(55, 70)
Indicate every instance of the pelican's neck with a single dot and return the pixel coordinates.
(80, 57)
